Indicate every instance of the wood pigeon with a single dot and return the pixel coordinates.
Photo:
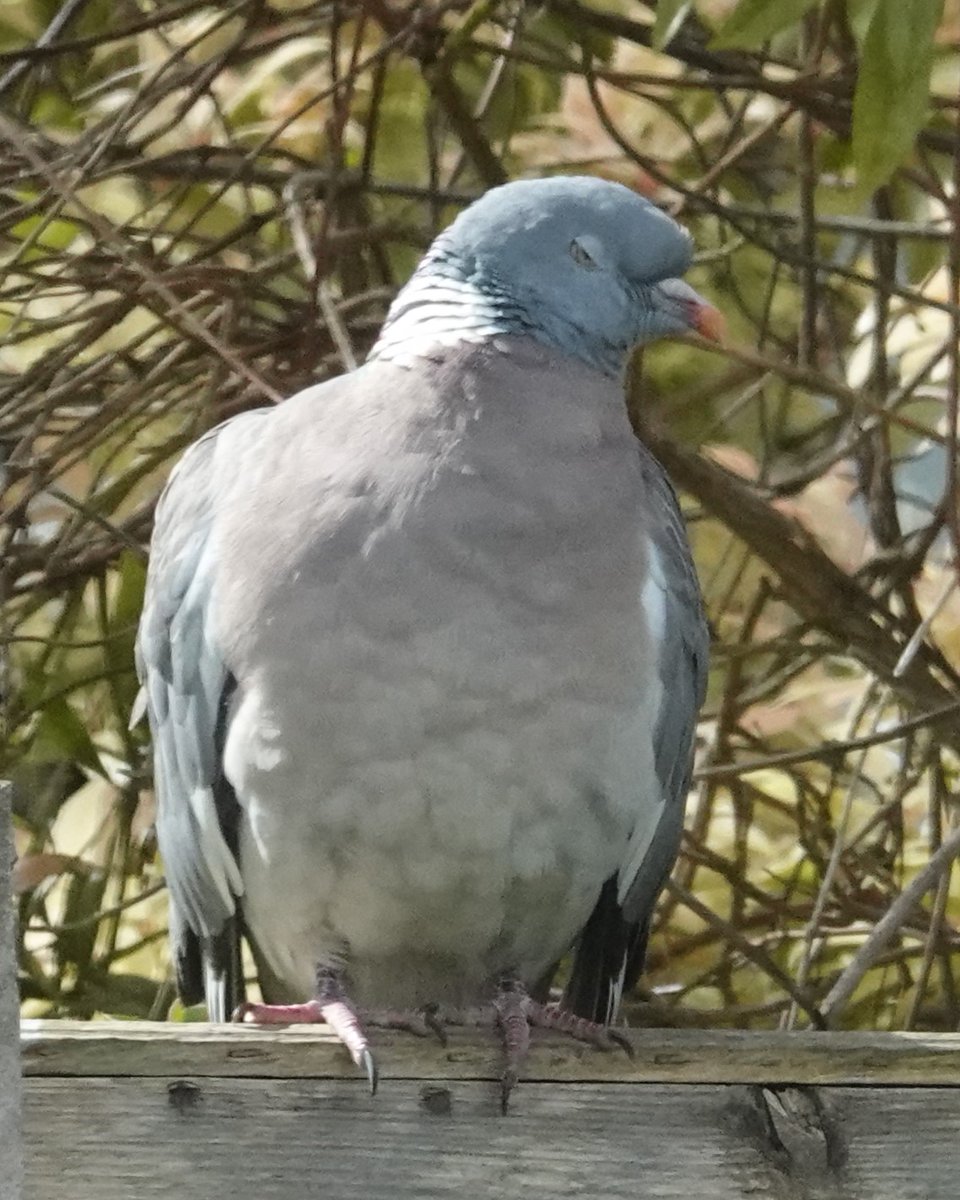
(423, 648)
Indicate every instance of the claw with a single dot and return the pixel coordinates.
(369, 1064)
(431, 1018)
(603, 1037)
(508, 1081)
(621, 1039)
(516, 1012)
(422, 1022)
(511, 1005)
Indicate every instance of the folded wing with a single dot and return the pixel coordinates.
(610, 952)
(186, 688)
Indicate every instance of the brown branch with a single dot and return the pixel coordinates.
(889, 925)
(830, 752)
(818, 589)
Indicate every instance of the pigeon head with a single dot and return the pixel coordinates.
(582, 264)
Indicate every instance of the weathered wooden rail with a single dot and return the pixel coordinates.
(130, 1111)
(11, 1160)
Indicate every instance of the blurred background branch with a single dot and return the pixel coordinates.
(206, 207)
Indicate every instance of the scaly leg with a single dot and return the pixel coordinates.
(515, 1011)
(331, 1005)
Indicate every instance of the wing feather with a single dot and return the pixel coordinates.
(610, 954)
(184, 680)
(682, 665)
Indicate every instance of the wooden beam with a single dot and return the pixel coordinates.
(11, 1160)
(120, 1109)
(141, 1048)
(291, 1139)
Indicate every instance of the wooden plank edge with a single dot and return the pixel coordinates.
(11, 1155)
(101, 1048)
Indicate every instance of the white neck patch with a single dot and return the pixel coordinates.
(433, 311)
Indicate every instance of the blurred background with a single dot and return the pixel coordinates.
(204, 208)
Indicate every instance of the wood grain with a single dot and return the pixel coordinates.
(271, 1139)
(115, 1110)
(59, 1048)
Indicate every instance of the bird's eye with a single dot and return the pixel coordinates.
(581, 257)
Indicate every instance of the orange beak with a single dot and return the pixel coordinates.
(697, 313)
(709, 322)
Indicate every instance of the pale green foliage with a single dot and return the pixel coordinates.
(893, 89)
(896, 45)
(752, 22)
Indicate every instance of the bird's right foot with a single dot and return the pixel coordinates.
(516, 1012)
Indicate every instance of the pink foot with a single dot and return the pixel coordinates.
(310, 1013)
(516, 1012)
(604, 1037)
(332, 1006)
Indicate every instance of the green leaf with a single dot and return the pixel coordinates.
(859, 15)
(79, 925)
(127, 601)
(61, 736)
(752, 22)
(401, 147)
(670, 16)
(523, 95)
(893, 86)
(117, 994)
(552, 29)
(187, 1013)
(120, 630)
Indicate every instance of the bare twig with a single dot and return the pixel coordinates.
(889, 925)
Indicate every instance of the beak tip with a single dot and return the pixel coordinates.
(709, 323)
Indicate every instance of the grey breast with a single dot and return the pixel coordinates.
(429, 593)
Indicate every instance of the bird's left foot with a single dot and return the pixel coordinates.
(332, 1006)
(516, 1012)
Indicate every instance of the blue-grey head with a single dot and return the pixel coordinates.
(582, 264)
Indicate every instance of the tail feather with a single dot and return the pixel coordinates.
(223, 972)
(608, 960)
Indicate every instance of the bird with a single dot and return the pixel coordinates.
(423, 649)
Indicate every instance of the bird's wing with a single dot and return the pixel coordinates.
(610, 951)
(186, 686)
